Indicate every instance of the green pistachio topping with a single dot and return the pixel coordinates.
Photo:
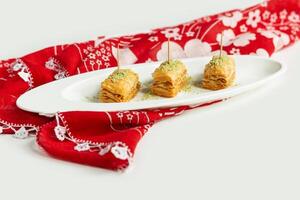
(219, 60)
(170, 65)
(118, 74)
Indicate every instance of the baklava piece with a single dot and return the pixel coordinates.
(169, 78)
(219, 73)
(121, 86)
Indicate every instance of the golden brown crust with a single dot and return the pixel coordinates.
(121, 86)
(219, 73)
(169, 79)
(109, 97)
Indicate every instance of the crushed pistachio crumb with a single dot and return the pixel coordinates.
(94, 98)
(170, 65)
(219, 60)
(117, 75)
(148, 96)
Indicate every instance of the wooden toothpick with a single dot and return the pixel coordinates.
(169, 53)
(221, 44)
(118, 57)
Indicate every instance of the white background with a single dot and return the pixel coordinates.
(245, 148)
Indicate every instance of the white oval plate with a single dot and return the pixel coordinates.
(79, 93)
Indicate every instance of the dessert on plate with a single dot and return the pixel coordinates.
(169, 78)
(121, 86)
(219, 73)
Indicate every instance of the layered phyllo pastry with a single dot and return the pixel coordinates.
(219, 73)
(121, 86)
(169, 78)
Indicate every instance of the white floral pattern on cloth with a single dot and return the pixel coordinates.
(235, 51)
(8, 67)
(243, 28)
(97, 56)
(123, 118)
(21, 131)
(21, 69)
(126, 56)
(232, 19)
(253, 18)
(283, 14)
(294, 17)
(280, 39)
(82, 147)
(54, 65)
(60, 132)
(175, 48)
(172, 33)
(196, 47)
(126, 117)
(190, 34)
(119, 150)
(260, 52)
(240, 40)
(273, 18)
(153, 39)
(266, 14)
